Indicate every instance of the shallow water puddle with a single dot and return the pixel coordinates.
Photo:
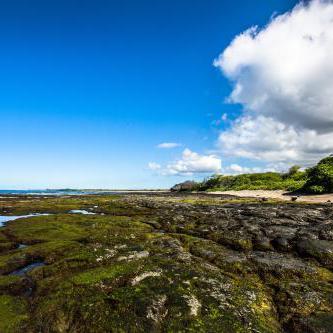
(23, 271)
(81, 211)
(30, 285)
(4, 219)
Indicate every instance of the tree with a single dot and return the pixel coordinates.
(293, 170)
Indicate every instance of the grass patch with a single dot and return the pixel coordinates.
(13, 314)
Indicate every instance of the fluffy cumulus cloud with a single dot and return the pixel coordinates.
(267, 139)
(168, 145)
(283, 77)
(190, 163)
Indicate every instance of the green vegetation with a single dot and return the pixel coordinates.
(12, 313)
(291, 181)
(318, 179)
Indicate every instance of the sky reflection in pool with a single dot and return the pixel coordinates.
(4, 219)
(81, 211)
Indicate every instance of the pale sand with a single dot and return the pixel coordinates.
(282, 195)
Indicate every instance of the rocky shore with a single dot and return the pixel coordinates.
(165, 263)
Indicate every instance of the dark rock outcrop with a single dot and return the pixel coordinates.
(185, 186)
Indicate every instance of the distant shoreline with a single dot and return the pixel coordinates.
(269, 194)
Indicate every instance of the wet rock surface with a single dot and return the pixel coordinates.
(166, 263)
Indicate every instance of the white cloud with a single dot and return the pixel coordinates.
(168, 145)
(154, 166)
(190, 163)
(283, 77)
(238, 169)
(264, 138)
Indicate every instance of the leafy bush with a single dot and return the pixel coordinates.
(208, 183)
(291, 181)
(316, 189)
(320, 177)
(294, 185)
(294, 170)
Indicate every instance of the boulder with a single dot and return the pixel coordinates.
(281, 244)
(321, 250)
(185, 186)
(262, 243)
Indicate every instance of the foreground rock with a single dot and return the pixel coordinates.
(167, 264)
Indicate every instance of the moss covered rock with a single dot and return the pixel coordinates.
(165, 263)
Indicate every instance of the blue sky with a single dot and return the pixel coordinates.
(90, 88)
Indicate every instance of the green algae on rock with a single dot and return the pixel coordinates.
(166, 263)
(13, 314)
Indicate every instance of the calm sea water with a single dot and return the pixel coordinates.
(72, 192)
(53, 192)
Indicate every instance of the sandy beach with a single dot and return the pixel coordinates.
(278, 194)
